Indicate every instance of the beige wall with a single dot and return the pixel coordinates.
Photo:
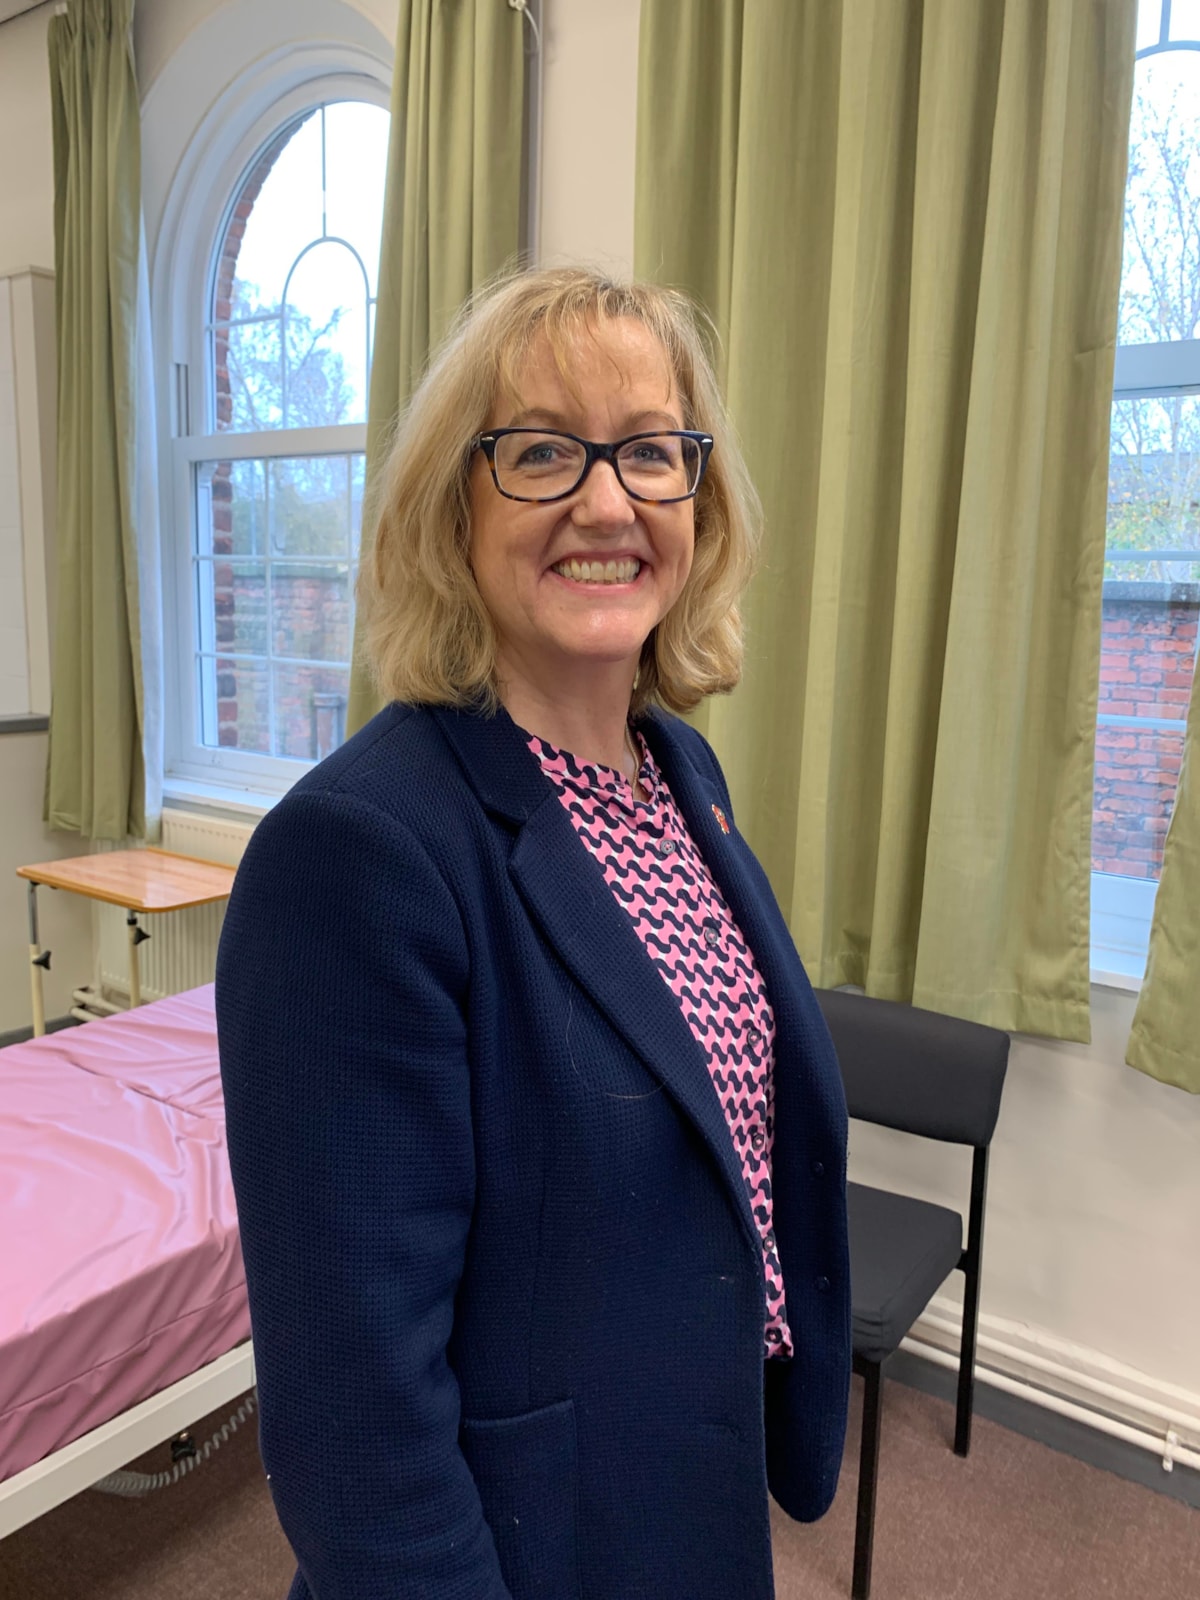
(65, 920)
(588, 131)
(27, 171)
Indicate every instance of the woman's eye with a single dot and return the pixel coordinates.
(540, 455)
(650, 453)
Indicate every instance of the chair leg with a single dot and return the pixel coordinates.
(868, 1479)
(970, 1264)
(966, 1399)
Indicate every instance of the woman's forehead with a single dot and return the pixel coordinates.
(618, 358)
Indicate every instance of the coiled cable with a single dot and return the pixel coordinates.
(132, 1485)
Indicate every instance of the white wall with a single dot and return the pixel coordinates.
(1094, 1216)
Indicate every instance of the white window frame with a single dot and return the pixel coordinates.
(237, 128)
(1122, 908)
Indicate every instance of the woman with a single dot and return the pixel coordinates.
(513, 1034)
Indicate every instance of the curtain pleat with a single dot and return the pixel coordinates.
(452, 209)
(905, 217)
(95, 778)
(1165, 1039)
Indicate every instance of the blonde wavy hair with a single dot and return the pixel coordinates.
(428, 636)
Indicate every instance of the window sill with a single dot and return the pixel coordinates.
(216, 799)
(1105, 978)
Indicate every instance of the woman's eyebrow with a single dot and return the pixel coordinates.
(635, 421)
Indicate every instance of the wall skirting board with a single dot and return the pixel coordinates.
(1074, 1383)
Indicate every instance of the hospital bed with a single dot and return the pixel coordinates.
(123, 1314)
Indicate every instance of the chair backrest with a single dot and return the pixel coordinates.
(915, 1070)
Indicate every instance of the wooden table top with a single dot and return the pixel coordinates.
(139, 880)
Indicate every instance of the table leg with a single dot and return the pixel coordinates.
(136, 935)
(39, 962)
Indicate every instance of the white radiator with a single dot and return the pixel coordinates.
(181, 952)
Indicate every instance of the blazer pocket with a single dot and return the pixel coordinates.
(526, 1469)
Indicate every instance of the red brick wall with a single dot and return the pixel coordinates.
(1146, 668)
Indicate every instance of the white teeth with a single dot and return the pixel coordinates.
(600, 571)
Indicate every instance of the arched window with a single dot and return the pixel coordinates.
(269, 454)
(1152, 565)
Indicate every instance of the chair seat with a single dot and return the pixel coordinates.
(901, 1251)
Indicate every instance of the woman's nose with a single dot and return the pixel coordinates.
(600, 499)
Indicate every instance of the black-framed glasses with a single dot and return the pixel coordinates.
(543, 464)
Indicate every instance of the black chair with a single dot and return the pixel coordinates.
(940, 1077)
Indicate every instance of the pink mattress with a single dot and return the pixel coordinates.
(120, 1268)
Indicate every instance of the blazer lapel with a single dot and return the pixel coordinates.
(565, 892)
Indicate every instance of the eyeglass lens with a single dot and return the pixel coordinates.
(540, 466)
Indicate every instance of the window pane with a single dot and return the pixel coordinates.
(280, 212)
(1154, 490)
(276, 545)
(1137, 774)
(311, 614)
(235, 704)
(356, 139)
(1149, 22)
(295, 272)
(232, 509)
(310, 710)
(239, 605)
(1160, 268)
(247, 358)
(325, 344)
(1146, 674)
(1151, 605)
(310, 507)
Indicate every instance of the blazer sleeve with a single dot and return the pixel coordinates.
(341, 985)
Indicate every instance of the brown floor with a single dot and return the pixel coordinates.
(1015, 1521)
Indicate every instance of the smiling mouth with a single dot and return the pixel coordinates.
(624, 571)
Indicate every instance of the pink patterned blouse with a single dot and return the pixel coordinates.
(654, 869)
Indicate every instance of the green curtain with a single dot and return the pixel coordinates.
(453, 205)
(905, 218)
(95, 782)
(1165, 1039)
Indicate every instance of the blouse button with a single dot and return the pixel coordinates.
(666, 847)
(757, 1138)
(712, 933)
(753, 1038)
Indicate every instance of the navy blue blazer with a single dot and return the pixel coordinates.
(505, 1285)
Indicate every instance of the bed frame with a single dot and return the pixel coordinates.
(114, 1444)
